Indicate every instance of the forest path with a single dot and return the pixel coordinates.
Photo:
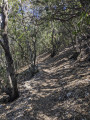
(59, 91)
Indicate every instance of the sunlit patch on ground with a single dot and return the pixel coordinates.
(60, 91)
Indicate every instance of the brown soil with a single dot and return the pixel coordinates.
(59, 91)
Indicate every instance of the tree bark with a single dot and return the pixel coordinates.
(13, 92)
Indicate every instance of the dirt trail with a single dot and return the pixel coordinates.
(60, 91)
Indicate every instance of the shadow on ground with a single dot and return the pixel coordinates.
(60, 91)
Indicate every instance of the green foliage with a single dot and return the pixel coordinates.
(69, 18)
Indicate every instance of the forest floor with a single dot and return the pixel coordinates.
(59, 91)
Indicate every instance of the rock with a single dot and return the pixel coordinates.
(87, 95)
(1, 106)
(4, 98)
(69, 94)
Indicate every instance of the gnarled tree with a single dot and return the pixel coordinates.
(13, 90)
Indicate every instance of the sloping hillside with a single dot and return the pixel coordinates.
(59, 91)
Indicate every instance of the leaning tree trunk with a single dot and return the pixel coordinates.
(10, 67)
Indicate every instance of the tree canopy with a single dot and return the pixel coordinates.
(31, 27)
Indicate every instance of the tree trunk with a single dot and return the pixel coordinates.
(13, 92)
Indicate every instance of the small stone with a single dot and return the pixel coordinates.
(1, 106)
(60, 98)
(69, 94)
